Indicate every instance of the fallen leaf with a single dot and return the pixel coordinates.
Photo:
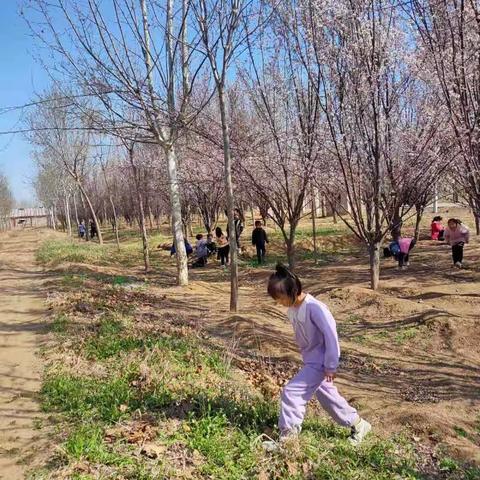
(153, 450)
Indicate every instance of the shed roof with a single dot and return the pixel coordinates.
(28, 212)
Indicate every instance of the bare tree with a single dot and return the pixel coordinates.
(449, 36)
(356, 57)
(133, 162)
(63, 139)
(280, 164)
(6, 202)
(223, 27)
(136, 61)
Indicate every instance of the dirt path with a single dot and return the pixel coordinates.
(21, 333)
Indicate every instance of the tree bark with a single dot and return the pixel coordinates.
(52, 217)
(75, 208)
(165, 135)
(418, 219)
(374, 265)
(230, 200)
(115, 220)
(314, 227)
(291, 253)
(92, 211)
(176, 207)
(67, 215)
(143, 227)
(141, 209)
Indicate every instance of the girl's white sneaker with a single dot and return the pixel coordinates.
(359, 432)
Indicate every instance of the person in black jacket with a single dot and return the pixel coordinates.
(259, 239)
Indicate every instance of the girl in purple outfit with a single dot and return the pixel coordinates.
(316, 335)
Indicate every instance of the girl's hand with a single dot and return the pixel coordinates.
(329, 376)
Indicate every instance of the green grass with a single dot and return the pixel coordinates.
(406, 334)
(218, 418)
(53, 252)
(88, 398)
(86, 443)
(60, 324)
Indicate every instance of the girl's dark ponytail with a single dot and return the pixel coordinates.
(284, 283)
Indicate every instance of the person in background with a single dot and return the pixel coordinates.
(188, 248)
(93, 230)
(399, 249)
(81, 229)
(437, 231)
(211, 245)
(457, 235)
(200, 251)
(238, 223)
(259, 239)
(223, 247)
(405, 244)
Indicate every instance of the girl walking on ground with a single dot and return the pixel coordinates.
(457, 235)
(223, 246)
(316, 335)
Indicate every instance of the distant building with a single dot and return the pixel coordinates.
(29, 217)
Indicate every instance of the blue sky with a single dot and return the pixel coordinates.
(20, 77)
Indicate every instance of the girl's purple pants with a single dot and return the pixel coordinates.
(300, 389)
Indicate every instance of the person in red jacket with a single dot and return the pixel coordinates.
(437, 229)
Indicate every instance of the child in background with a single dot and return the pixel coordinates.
(316, 335)
(457, 235)
(436, 229)
(399, 249)
(259, 239)
(223, 247)
(93, 229)
(405, 244)
(188, 248)
(200, 251)
(82, 229)
(238, 224)
(211, 245)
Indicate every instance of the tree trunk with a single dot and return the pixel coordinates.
(374, 265)
(396, 224)
(115, 221)
(141, 209)
(230, 201)
(52, 217)
(150, 219)
(290, 244)
(190, 227)
(176, 207)
(435, 198)
(67, 215)
(92, 211)
(418, 219)
(477, 223)
(76, 209)
(314, 227)
(143, 228)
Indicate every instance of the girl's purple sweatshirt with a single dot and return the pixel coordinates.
(316, 333)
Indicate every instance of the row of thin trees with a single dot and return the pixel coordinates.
(190, 106)
(6, 202)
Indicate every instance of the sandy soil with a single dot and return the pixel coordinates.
(21, 335)
(411, 355)
(410, 351)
